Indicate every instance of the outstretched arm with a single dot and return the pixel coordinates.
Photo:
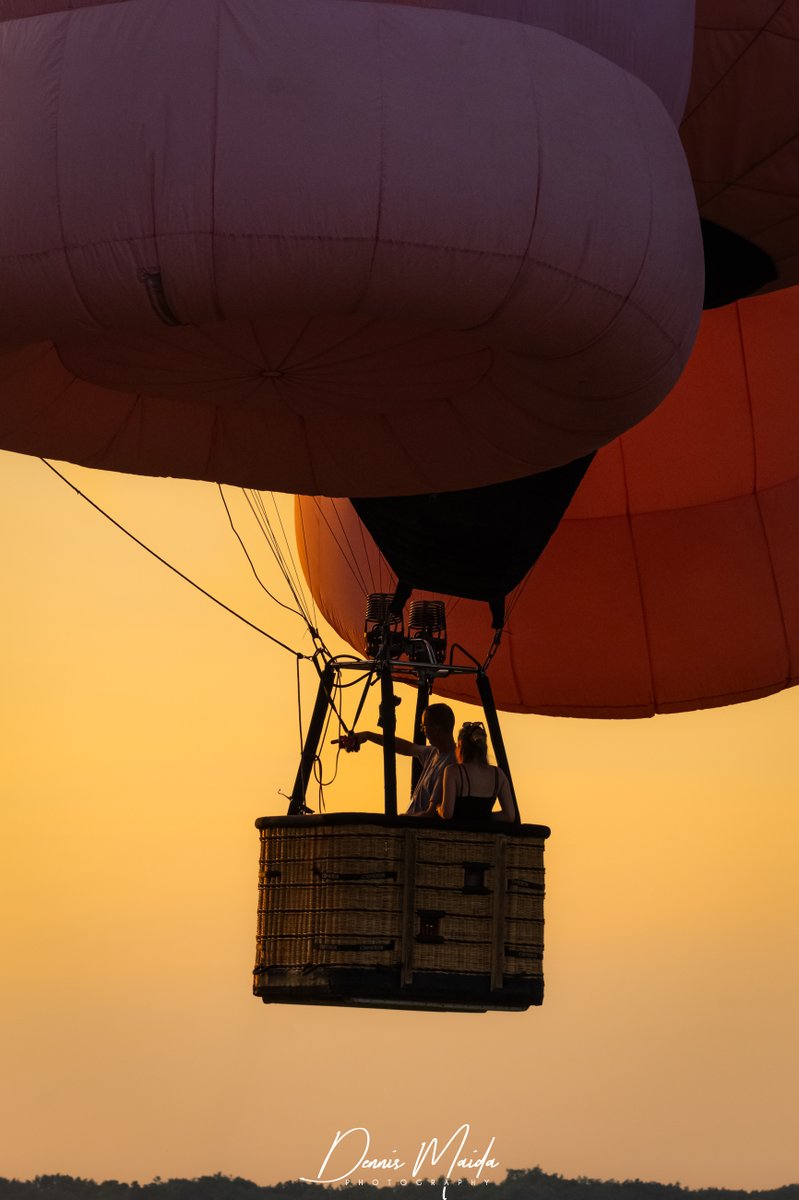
(354, 741)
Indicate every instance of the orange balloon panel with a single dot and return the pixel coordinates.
(672, 583)
(741, 124)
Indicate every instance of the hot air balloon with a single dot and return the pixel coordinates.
(672, 583)
(360, 249)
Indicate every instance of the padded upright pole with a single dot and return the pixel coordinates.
(388, 724)
(422, 700)
(312, 740)
(492, 720)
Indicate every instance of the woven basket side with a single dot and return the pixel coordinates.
(330, 896)
(398, 899)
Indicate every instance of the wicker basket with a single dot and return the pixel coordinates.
(362, 909)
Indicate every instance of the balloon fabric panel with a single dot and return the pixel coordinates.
(651, 40)
(741, 124)
(672, 583)
(472, 543)
(506, 252)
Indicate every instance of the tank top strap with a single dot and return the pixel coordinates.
(463, 776)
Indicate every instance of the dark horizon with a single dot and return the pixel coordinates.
(527, 1184)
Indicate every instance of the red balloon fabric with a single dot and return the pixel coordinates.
(741, 124)
(672, 583)
(307, 244)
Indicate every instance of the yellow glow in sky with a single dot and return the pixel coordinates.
(145, 730)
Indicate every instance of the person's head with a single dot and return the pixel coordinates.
(472, 743)
(438, 723)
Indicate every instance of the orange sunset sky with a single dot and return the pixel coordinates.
(145, 730)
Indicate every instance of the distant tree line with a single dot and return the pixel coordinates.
(518, 1185)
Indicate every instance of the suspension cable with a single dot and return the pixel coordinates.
(299, 706)
(297, 654)
(492, 649)
(351, 563)
(258, 509)
(299, 513)
(283, 558)
(240, 540)
(346, 536)
(292, 563)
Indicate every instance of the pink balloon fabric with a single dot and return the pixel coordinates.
(338, 247)
(672, 583)
(650, 39)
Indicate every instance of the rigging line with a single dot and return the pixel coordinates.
(323, 783)
(240, 540)
(299, 607)
(299, 708)
(258, 509)
(353, 683)
(358, 578)
(336, 764)
(294, 568)
(353, 558)
(299, 574)
(302, 612)
(255, 502)
(319, 769)
(331, 701)
(290, 556)
(367, 558)
(297, 654)
(280, 558)
(367, 685)
(298, 510)
(492, 649)
(337, 511)
(517, 594)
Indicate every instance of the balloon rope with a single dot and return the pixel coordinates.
(283, 558)
(297, 654)
(351, 563)
(240, 540)
(299, 708)
(301, 516)
(294, 568)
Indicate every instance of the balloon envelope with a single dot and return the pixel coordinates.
(338, 247)
(672, 583)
